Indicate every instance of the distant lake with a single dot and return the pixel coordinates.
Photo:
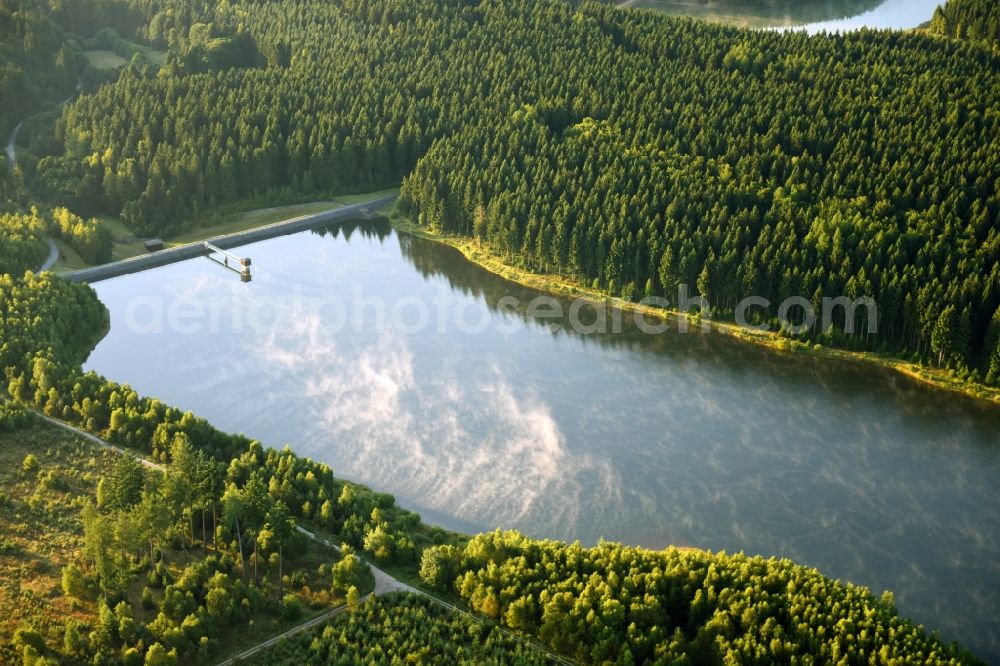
(813, 16)
(895, 14)
(407, 368)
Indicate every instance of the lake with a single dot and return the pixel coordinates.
(831, 15)
(891, 14)
(478, 405)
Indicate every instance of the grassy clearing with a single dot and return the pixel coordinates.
(152, 56)
(116, 225)
(68, 260)
(249, 219)
(558, 284)
(40, 528)
(350, 199)
(102, 59)
(125, 245)
(106, 60)
(237, 222)
(127, 250)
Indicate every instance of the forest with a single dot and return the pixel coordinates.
(617, 604)
(22, 238)
(39, 64)
(22, 242)
(625, 150)
(173, 564)
(130, 574)
(398, 630)
(176, 563)
(968, 19)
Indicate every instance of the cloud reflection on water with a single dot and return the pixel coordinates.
(478, 452)
(673, 439)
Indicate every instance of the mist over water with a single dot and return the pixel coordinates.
(688, 439)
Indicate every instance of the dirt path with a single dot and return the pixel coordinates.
(318, 620)
(149, 464)
(384, 583)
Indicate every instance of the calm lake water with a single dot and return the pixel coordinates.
(512, 419)
(832, 15)
(895, 14)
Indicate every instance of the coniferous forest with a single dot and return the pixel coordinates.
(967, 19)
(223, 511)
(624, 150)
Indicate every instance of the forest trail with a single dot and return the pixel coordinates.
(309, 624)
(11, 145)
(145, 462)
(385, 583)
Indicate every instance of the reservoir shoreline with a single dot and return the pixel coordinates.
(643, 439)
(552, 284)
(225, 242)
(558, 285)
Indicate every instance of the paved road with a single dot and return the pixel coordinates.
(11, 151)
(52, 258)
(11, 163)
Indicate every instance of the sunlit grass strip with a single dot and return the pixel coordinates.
(558, 284)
